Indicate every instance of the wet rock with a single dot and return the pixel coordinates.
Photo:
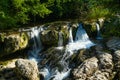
(52, 56)
(26, 69)
(12, 42)
(78, 57)
(49, 37)
(87, 68)
(113, 43)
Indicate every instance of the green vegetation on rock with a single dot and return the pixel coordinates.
(11, 42)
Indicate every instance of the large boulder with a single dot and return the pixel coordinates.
(49, 37)
(105, 60)
(106, 66)
(12, 42)
(116, 58)
(27, 70)
(98, 75)
(86, 69)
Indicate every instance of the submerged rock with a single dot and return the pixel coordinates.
(27, 70)
(12, 42)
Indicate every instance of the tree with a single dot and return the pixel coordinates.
(15, 12)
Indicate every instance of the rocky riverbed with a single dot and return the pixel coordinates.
(99, 62)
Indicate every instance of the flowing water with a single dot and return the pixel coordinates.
(70, 35)
(98, 31)
(53, 73)
(34, 34)
(60, 40)
(81, 40)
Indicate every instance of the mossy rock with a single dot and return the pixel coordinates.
(49, 37)
(12, 42)
(90, 29)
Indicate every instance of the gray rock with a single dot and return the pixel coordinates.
(116, 55)
(49, 37)
(98, 75)
(12, 42)
(116, 58)
(87, 68)
(26, 69)
(105, 60)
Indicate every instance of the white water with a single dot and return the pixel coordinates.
(37, 45)
(60, 41)
(70, 35)
(98, 31)
(81, 40)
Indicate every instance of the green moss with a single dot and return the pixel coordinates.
(2, 37)
(24, 40)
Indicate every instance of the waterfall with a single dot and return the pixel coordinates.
(53, 73)
(81, 40)
(37, 45)
(81, 34)
(70, 35)
(98, 31)
(60, 40)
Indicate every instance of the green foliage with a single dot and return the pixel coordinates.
(97, 12)
(112, 27)
(15, 12)
(18, 12)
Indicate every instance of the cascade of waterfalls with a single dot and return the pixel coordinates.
(81, 41)
(98, 31)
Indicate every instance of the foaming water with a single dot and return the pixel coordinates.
(81, 40)
(54, 73)
(34, 34)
